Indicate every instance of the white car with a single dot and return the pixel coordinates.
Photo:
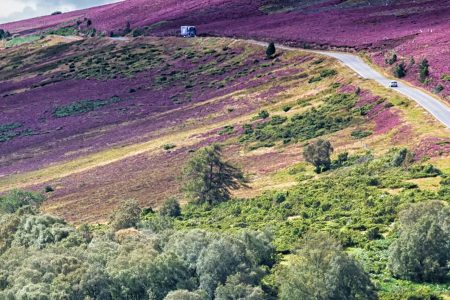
(393, 84)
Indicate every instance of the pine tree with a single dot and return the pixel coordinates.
(270, 50)
(209, 179)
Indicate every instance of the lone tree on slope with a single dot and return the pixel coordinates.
(319, 154)
(270, 51)
(209, 179)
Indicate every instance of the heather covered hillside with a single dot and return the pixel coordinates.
(412, 30)
(137, 164)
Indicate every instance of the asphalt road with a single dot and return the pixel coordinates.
(434, 106)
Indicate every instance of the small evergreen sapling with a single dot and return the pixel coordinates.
(271, 50)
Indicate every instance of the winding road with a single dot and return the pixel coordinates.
(435, 107)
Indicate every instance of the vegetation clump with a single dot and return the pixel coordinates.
(422, 251)
(322, 270)
(170, 208)
(209, 179)
(424, 71)
(271, 50)
(400, 70)
(319, 155)
(83, 106)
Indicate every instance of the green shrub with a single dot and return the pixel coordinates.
(270, 51)
(360, 134)
(424, 71)
(126, 216)
(82, 107)
(16, 199)
(400, 70)
(318, 154)
(391, 60)
(439, 88)
(422, 252)
(170, 208)
(263, 114)
(445, 77)
(287, 108)
(169, 146)
(322, 270)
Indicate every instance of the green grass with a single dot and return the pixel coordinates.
(22, 40)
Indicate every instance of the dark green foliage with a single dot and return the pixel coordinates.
(400, 157)
(4, 34)
(270, 51)
(126, 216)
(287, 108)
(226, 130)
(445, 77)
(360, 134)
(439, 88)
(400, 70)
(335, 114)
(171, 208)
(422, 250)
(82, 107)
(169, 146)
(322, 270)
(323, 74)
(327, 73)
(424, 71)
(319, 155)
(391, 60)
(48, 189)
(263, 114)
(209, 179)
(16, 199)
(10, 131)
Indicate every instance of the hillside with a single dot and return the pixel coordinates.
(135, 164)
(100, 120)
(417, 29)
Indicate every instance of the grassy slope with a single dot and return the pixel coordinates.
(91, 181)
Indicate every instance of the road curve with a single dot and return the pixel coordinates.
(435, 107)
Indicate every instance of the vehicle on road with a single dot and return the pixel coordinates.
(188, 31)
(393, 84)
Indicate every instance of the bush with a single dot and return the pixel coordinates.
(439, 88)
(127, 216)
(399, 157)
(287, 108)
(422, 250)
(391, 60)
(169, 146)
(171, 208)
(360, 134)
(4, 34)
(319, 155)
(16, 199)
(263, 114)
(322, 270)
(424, 71)
(400, 70)
(270, 51)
